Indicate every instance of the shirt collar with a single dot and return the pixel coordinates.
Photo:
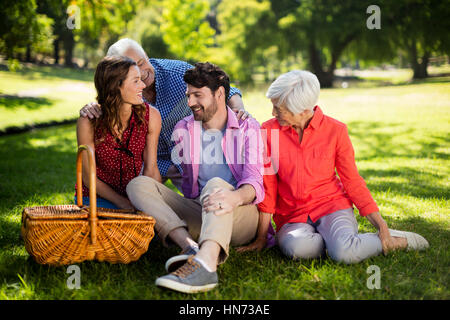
(317, 118)
(314, 123)
(157, 76)
(232, 121)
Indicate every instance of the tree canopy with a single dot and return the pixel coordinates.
(252, 39)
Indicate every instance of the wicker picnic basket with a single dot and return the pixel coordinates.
(68, 234)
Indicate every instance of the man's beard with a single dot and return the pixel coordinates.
(207, 114)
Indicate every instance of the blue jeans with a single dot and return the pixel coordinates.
(101, 203)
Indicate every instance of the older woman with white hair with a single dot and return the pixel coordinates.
(312, 206)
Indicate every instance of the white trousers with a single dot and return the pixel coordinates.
(336, 232)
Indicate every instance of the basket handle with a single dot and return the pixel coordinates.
(92, 188)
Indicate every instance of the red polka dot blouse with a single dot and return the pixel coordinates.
(118, 162)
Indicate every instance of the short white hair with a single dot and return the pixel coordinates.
(120, 47)
(298, 90)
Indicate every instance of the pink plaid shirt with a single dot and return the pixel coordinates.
(242, 146)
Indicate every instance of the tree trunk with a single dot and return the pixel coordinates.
(56, 50)
(325, 77)
(420, 71)
(28, 53)
(69, 44)
(419, 68)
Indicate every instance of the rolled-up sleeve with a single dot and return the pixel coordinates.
(234, 91)
(268, 205)
(270, 179)
(253, 169)
(354, 184)
(180, 155)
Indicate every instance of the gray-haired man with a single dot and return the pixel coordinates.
(166, 91)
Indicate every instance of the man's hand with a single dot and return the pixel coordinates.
(237, 105)
(221, 201)
(242, 114)
(91, 110)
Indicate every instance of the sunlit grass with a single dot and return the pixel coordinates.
(39, 95)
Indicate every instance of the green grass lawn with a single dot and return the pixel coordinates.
(38, 95)
(402, 143)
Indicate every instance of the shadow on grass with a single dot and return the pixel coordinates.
(33, 174)
(437, 234)
(30, 172)
(382, 147)
(419, 184)
(251, 275)
(30, 103)
(380, 144)
(37, 164)
(33, 71)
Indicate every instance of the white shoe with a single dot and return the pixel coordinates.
(415, 241)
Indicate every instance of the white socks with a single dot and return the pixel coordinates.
(203, 264)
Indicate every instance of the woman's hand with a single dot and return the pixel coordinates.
(261, 238)
(124, 203)
(388, 242)
(258, 245)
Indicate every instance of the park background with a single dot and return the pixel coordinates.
(389, 82)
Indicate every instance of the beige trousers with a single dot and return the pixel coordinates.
(172, 211)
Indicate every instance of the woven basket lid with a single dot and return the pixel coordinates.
(56, 212)
(74, 212)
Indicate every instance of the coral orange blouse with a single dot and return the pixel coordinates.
(300, 178)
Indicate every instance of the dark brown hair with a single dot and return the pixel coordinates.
(110, 74)
(208, 75)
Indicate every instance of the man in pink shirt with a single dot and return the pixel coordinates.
(222, 161)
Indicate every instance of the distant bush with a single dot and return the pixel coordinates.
(14, 65)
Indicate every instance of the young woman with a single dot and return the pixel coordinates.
(124, 138)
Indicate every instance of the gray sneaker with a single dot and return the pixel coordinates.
(177, 261)
(191, 277)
